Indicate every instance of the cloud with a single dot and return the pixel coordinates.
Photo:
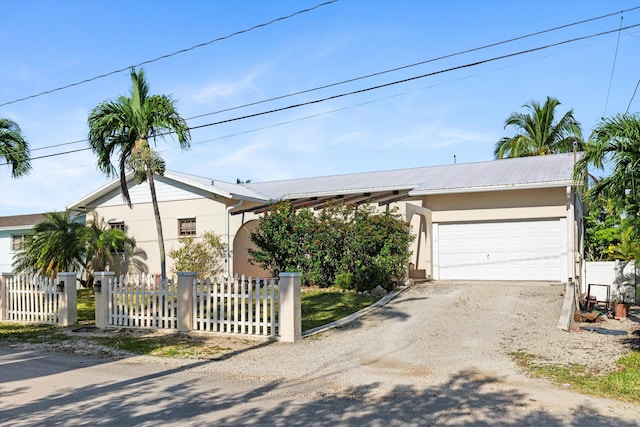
(213, 92)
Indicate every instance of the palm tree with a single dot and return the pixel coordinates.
(123, 128)
(63, 243)
(616, 142)
(539, 133)
(56, 244)
(14, 148)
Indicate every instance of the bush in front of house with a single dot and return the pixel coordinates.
(352, 248)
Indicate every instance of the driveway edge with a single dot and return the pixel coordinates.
(358, 314)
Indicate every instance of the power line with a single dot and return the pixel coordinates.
(613, 68)
(316, 101)
(379, 73)
(273, 21)
(632, 96)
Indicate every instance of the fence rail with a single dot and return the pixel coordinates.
(32, 299)
(236, 306)
(139, 301)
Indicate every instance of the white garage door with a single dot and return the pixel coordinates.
(514, 250)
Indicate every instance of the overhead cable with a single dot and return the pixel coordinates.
(128, 67)
(316, 101)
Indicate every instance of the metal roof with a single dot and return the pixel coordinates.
(539, 171)
(526, 172)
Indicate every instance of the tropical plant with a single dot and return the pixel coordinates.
(202, 255)
(56, 244)
(62, 242)
(539, 133)
(122, 128)
(14, 148)
(353, 248)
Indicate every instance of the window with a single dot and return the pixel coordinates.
(117, 224)
(186, 227)
(17, 242)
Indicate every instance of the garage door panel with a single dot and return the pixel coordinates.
(515, 250)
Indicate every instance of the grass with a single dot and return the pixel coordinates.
(323, 306)
(623, 384)
(319, 307)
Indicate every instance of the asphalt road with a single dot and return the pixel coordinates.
(405, 364)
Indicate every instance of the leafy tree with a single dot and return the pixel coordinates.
(14, 148)
(616, 142)
(539, 133)
(122, 128)
(280, 239)
(354, 248)
(63, 243)
(602, 229)
(204, 256)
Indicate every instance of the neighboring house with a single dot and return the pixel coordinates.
(13, 230)
(511, 219)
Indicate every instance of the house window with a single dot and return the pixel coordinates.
(17, 242)
(186, 227)
(117, 225)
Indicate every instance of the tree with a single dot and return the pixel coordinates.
(204, 256)
(122, 128)
(63, 243)
(56, 244)
(616, 142)
(14, 148)
(539, 133)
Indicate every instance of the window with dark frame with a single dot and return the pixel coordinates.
(186, 227)
(117, 225)
(17, 242)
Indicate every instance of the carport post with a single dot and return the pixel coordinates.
(290, 318)
(101, 290)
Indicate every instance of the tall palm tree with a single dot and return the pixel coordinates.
(123, 127)
(539, 132)
(14, 148)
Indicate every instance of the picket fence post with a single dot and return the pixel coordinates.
(4, 304)
(101, 291)
(68, 299)
(290, 319)
(185, 300)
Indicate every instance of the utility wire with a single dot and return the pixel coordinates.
(316, 101)
(613, 67)
(273, 21)
(379, 73)
(632, 96)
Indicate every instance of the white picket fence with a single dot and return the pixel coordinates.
(32, 299)
(138, 301)
(238, 306)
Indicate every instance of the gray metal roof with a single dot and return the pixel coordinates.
(540, 171)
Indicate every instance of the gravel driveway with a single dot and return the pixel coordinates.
(437, 354)
(445, 338)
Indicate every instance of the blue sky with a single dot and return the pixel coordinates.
(427, 121)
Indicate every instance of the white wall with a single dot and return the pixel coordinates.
(622, 278)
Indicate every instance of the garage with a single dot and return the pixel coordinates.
(500, 250)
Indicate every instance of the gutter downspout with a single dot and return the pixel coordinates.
(226, 220)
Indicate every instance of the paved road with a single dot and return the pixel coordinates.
(409, 363)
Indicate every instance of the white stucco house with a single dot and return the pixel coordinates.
(512, 219)
(13, 230)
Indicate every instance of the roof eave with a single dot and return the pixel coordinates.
(504, 187)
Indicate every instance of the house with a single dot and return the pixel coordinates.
(511, 219)
(13, 230)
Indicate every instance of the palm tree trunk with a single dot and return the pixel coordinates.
(156, 212)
